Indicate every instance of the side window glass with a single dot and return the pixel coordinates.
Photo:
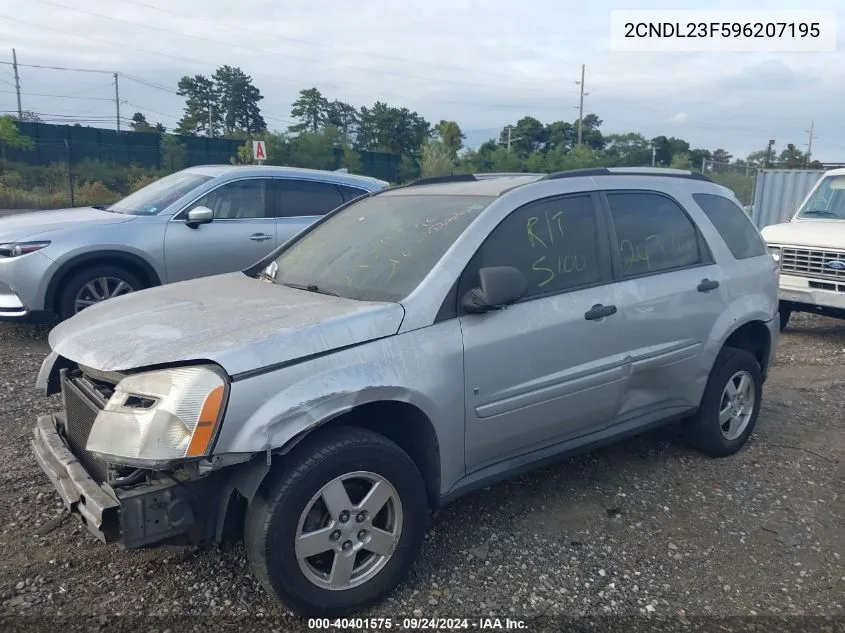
(653, 233)
(237, 200)
(739, 234)
(350, 193)
(553, 242)
(295, 198)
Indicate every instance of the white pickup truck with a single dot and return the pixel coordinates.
(810, 250)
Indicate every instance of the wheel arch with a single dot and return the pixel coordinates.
(135, 264)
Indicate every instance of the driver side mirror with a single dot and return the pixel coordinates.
(499, 286)
(199, 215)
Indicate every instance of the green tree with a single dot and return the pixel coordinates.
(29, 116)
(721, 156)
(202, 106)
(528, 135)
(681, 161)
(437, 159)
(174, 155)
(666, 148)
(450, 134)
(591, 136)
(11, 137)
(697, 157)
(238, 101)
(139, 123)
(344, 117)
(560, 135)
(627, 150)
(311, 110)
(384, 128)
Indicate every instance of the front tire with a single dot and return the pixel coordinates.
(730, 405)
(339, 525)
(95, 284)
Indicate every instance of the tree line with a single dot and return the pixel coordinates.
(227, 104)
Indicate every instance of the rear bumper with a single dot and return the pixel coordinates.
(95, 504)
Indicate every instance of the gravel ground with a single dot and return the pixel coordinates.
(645, 528)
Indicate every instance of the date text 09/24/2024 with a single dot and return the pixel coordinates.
(420, 623)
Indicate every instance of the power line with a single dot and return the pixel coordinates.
(263, 51)
(34, 94)
(229, 26)
(78, 70)
(300, 82)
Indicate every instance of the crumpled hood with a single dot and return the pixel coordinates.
(830, 234)
(239, 322)
(18, 226)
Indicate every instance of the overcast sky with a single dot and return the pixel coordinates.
(483, 64)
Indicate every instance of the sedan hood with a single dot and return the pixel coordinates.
(18, 226)
(241, 323)
(819, 234)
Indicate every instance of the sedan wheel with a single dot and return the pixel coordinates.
(100, 289)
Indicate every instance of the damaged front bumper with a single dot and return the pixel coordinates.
(150, 512)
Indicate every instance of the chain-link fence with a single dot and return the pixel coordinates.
(739, 178)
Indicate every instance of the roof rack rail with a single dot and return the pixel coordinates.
(434, 180)
(628, 171)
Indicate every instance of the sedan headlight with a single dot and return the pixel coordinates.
(156, 418)
(16, 249)
(775, 251)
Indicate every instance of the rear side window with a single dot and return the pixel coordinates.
(296, 198)
(739, 234)
(653, 233)
(350, 193)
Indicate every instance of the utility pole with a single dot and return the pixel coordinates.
(581, 106)
(117, 101)
(653, 154)
(809, 145)
(17, 83)
(510, 140)
(769, 153)
(210, 120)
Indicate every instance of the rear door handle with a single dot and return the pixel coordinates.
(260, 237)
(599, 311)
(707, 284)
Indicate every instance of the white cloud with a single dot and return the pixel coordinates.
(483, 65)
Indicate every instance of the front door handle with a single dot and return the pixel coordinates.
(260, 237)
(707, 285)
(599, 311)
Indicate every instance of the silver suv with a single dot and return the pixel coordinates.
(197, 222)
(407, 348)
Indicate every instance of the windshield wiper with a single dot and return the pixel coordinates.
(822, 212)
(310, 288)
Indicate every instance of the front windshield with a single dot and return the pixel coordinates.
(380, 248)
(153, 198)
(827, 201)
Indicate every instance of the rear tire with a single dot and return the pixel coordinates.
(320, 493)
(785, 311)
(724, 421)
(89, 284)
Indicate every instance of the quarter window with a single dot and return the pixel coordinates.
(553, 242)
(350, 193)
(739, 234)
(653, 233)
